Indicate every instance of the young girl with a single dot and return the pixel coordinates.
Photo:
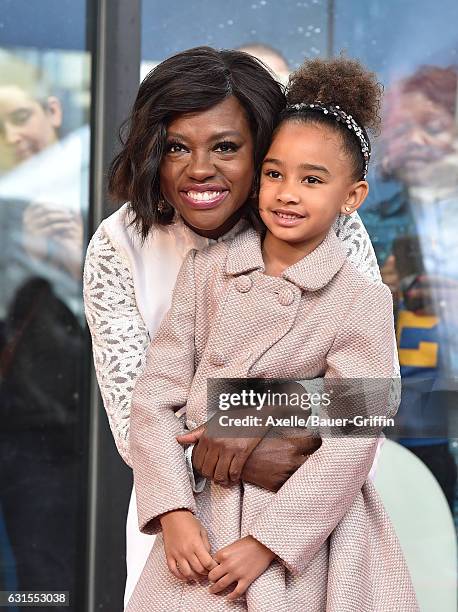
(283, 303)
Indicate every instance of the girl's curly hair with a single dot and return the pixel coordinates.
(343, 82)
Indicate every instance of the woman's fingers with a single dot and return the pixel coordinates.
(236, 468)
(222, 469)
(221, 584)
(209, 464)
(198, 455)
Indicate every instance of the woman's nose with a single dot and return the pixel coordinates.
(200, 166)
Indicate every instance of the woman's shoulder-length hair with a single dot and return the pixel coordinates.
(193, 80)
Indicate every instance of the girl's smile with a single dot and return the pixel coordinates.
(285, 217)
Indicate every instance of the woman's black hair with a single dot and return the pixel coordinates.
(191, 81)
(338, 82)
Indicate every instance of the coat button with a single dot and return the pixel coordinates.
(218, 360)
(243, 284)
(285, 296)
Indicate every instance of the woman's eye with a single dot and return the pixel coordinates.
(312, 180)
(226, 147)
(175, 147)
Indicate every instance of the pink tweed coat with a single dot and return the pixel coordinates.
(336, 549)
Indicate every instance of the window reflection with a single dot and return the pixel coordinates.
(44, 150)
(415, 239)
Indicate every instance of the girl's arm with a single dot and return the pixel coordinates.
(313, 501)
(119, 335)
(160, 473)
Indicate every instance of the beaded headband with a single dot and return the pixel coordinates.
(342, 117)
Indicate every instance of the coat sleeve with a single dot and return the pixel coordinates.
(312, 502)
(160, 472)
(119, 334)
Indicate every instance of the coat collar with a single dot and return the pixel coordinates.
(311, 273)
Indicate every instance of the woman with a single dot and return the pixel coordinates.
(215, 110)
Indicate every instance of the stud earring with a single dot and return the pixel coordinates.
(347, 209)
(161, 206)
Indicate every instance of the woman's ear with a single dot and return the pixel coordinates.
(54, 111)
(356, 196)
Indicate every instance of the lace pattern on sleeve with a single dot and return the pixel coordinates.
(351, 231)
(119, 335)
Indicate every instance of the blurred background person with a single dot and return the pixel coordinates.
(271, 57)
(41, 340)
(414, 234)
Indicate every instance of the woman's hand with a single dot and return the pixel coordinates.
(241, 563)
(219, 459)
(186, 545)
(271, 462)
(276, 458)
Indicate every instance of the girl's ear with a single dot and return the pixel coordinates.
(356, 196)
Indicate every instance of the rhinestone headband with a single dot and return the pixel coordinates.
(344, 118)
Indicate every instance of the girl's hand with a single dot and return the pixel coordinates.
(186, 545)
(241, 562)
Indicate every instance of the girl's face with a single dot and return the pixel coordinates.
(207, 171)
(306, 181)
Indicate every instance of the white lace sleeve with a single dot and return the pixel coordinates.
(119, 335)
(350, 229)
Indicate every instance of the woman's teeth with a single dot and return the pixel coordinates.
(203, 196)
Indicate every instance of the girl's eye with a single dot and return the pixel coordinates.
(226, 147)
(175, 147)
(273, 174)
(312, 180)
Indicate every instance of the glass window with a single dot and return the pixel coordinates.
(281, 34)
(44, 351)
(412, 210)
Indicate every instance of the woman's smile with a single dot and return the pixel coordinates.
(205, 196)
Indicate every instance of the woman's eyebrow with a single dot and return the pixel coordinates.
(226, 134)
(272, 160)
(216, 136)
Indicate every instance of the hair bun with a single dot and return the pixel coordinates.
(339, 81)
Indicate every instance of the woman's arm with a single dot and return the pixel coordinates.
(351, 231)
(160, 472)
(119, 335)
(313, 501)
